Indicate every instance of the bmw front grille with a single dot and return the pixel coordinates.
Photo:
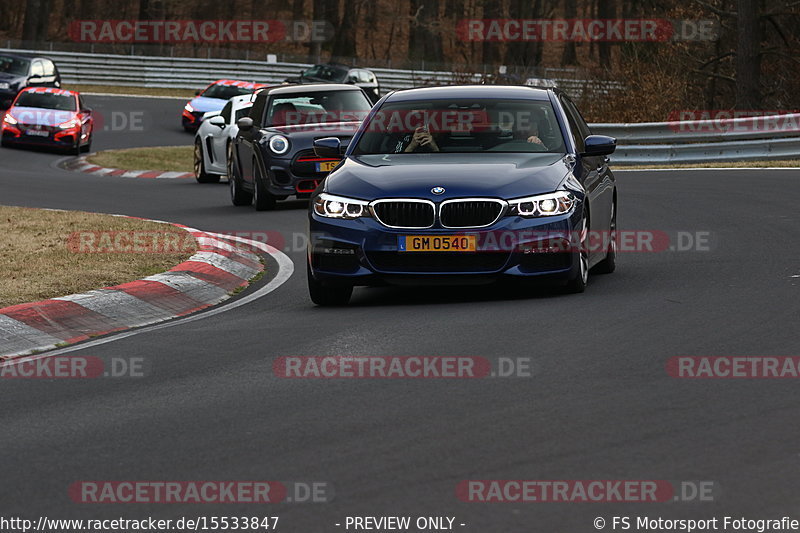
(454, 214)
(470, 212)
(402, 213)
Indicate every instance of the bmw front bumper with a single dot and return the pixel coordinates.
(363, 251)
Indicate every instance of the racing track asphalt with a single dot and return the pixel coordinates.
(599, 406)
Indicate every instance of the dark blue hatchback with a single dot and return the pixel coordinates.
(461, 185)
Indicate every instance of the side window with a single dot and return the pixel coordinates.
(49, 68)
(577, 126)
(37, 69)
(226, 112)
(364, 76)
(257, 111)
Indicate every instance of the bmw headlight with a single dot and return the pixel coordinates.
(279, 144)
(543, 205)
(189, 108)
(330, 206)
(9, 119)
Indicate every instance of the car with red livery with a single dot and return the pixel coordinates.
(46, 116)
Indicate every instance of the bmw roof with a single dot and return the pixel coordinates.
(468, 91)
(309, 88)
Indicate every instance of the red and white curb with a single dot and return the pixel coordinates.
(80, 164)
(207, 278)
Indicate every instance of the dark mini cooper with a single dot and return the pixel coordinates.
(272, 156)
(464, 185)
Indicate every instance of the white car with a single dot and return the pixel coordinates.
(213, 138)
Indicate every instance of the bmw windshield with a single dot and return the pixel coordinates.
(462, 126)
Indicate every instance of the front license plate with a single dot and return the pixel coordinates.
(38, 133)
(437, 243)
(326, 166)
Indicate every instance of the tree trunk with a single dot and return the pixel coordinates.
(570, 55)
(424, 38)
(606, 9)
(344, 44)
(30, 24)
(748, 63)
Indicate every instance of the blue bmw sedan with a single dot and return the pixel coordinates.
(463, 185)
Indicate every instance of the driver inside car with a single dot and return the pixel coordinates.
(509, 129)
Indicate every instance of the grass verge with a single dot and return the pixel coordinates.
(162, 158)
(719, 164)
(40, 257)
(139, 91)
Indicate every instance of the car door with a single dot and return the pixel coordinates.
(87, 122)
(49, 77)
(246, 140)
(590, 168)
(219, 136)
(36, 78)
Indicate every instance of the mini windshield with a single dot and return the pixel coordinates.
(317, 107)
(461, 126)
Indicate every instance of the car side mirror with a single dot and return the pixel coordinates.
(352, 80)
(198, 92)
(599, 145)
(245, 124)
(328, 147)
(218, 121)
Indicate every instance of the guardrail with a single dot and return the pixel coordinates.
(194, 73)
(698, 141)
(750, 138)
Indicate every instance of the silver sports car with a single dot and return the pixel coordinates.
(213, 138)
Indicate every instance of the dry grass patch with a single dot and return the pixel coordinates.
(39, 257)
(160, 158)
(143, 91)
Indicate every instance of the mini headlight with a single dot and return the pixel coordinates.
(188, 107)
(330, 206)
(279, 144)
(543, 205)
(8, 119)
(4, 85)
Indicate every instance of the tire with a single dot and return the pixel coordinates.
(577, 284)
(262, 200)
(239, 196)
(325, 295)
(76, 150)
(200, 173)
(87, 147)
(609, 264)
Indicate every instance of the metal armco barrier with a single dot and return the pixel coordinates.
(698, 141)
(741, 139)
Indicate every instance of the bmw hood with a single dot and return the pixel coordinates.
(41, 117)
(493, 175)
(204, 105)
